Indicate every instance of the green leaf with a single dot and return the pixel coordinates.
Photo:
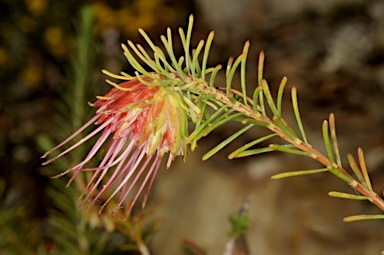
(195, 67)
(280, 95)
(332, 127)
(335, 171)
(363, 168)
(356, 170)
(259, 82)
(326, 141)
(235, 153)
(242, 72)
(260, 70)
(213, 76)
(284, 127)
(186, 42)
(254, 152)
(144, 57)
(158, 55)
(220, 121)
(297, 113)
(167, 41)
(269, 98)
(298, 173)
(206, 53)
(251, 121)
(288, 149)
(346, 195)
(226, 142)
(134, 63)
(256, 95)
(363, 217)
(239, 224)
(202, 125)
(233, 70)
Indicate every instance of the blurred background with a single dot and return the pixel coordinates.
(332, 51)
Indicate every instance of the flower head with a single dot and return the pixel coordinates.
(139, 121)
(146, 117)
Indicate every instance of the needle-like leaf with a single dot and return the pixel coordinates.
(254, 152)
(280, 93)
(226, 142)
(186, 42)
(346, 195)
(284, 127)
(206, 53)
(298, 173)
(363, 168)
(242, 72)
(235, 153)
(332, 127)
(297, 113)
(232, 70)
(269, 98)
(327, 143)
(288, 149)
(260, 70)
(213, 76)
(195, 67)
(255, 98)
(356, 170)
(363, 217)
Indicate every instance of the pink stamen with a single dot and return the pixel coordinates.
(73, 135)
(101, 127)
(158, 161)
(129, 167)
(106, 158)
(123, 157)
(155, 166)
(134, 181)
(114, 177)
(125, 180)
(104, 136)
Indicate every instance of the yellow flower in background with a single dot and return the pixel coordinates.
(32, 75)
(105, 16)
(36, 7)
(57, 43)
(128, 18)
(27, 24)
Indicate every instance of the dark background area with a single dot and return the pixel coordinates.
(332, 51)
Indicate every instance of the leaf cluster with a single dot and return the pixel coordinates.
(187, 75)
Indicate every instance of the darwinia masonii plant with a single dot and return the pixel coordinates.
(144, 121)
(146, 117)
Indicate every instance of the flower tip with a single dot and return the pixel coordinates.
(144, 201)
(59, 175)
(128, 214)
(48, 161)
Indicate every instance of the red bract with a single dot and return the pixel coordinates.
(139, 123)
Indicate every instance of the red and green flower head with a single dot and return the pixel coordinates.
(139, 123)
(141, 120)
(151, 116)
